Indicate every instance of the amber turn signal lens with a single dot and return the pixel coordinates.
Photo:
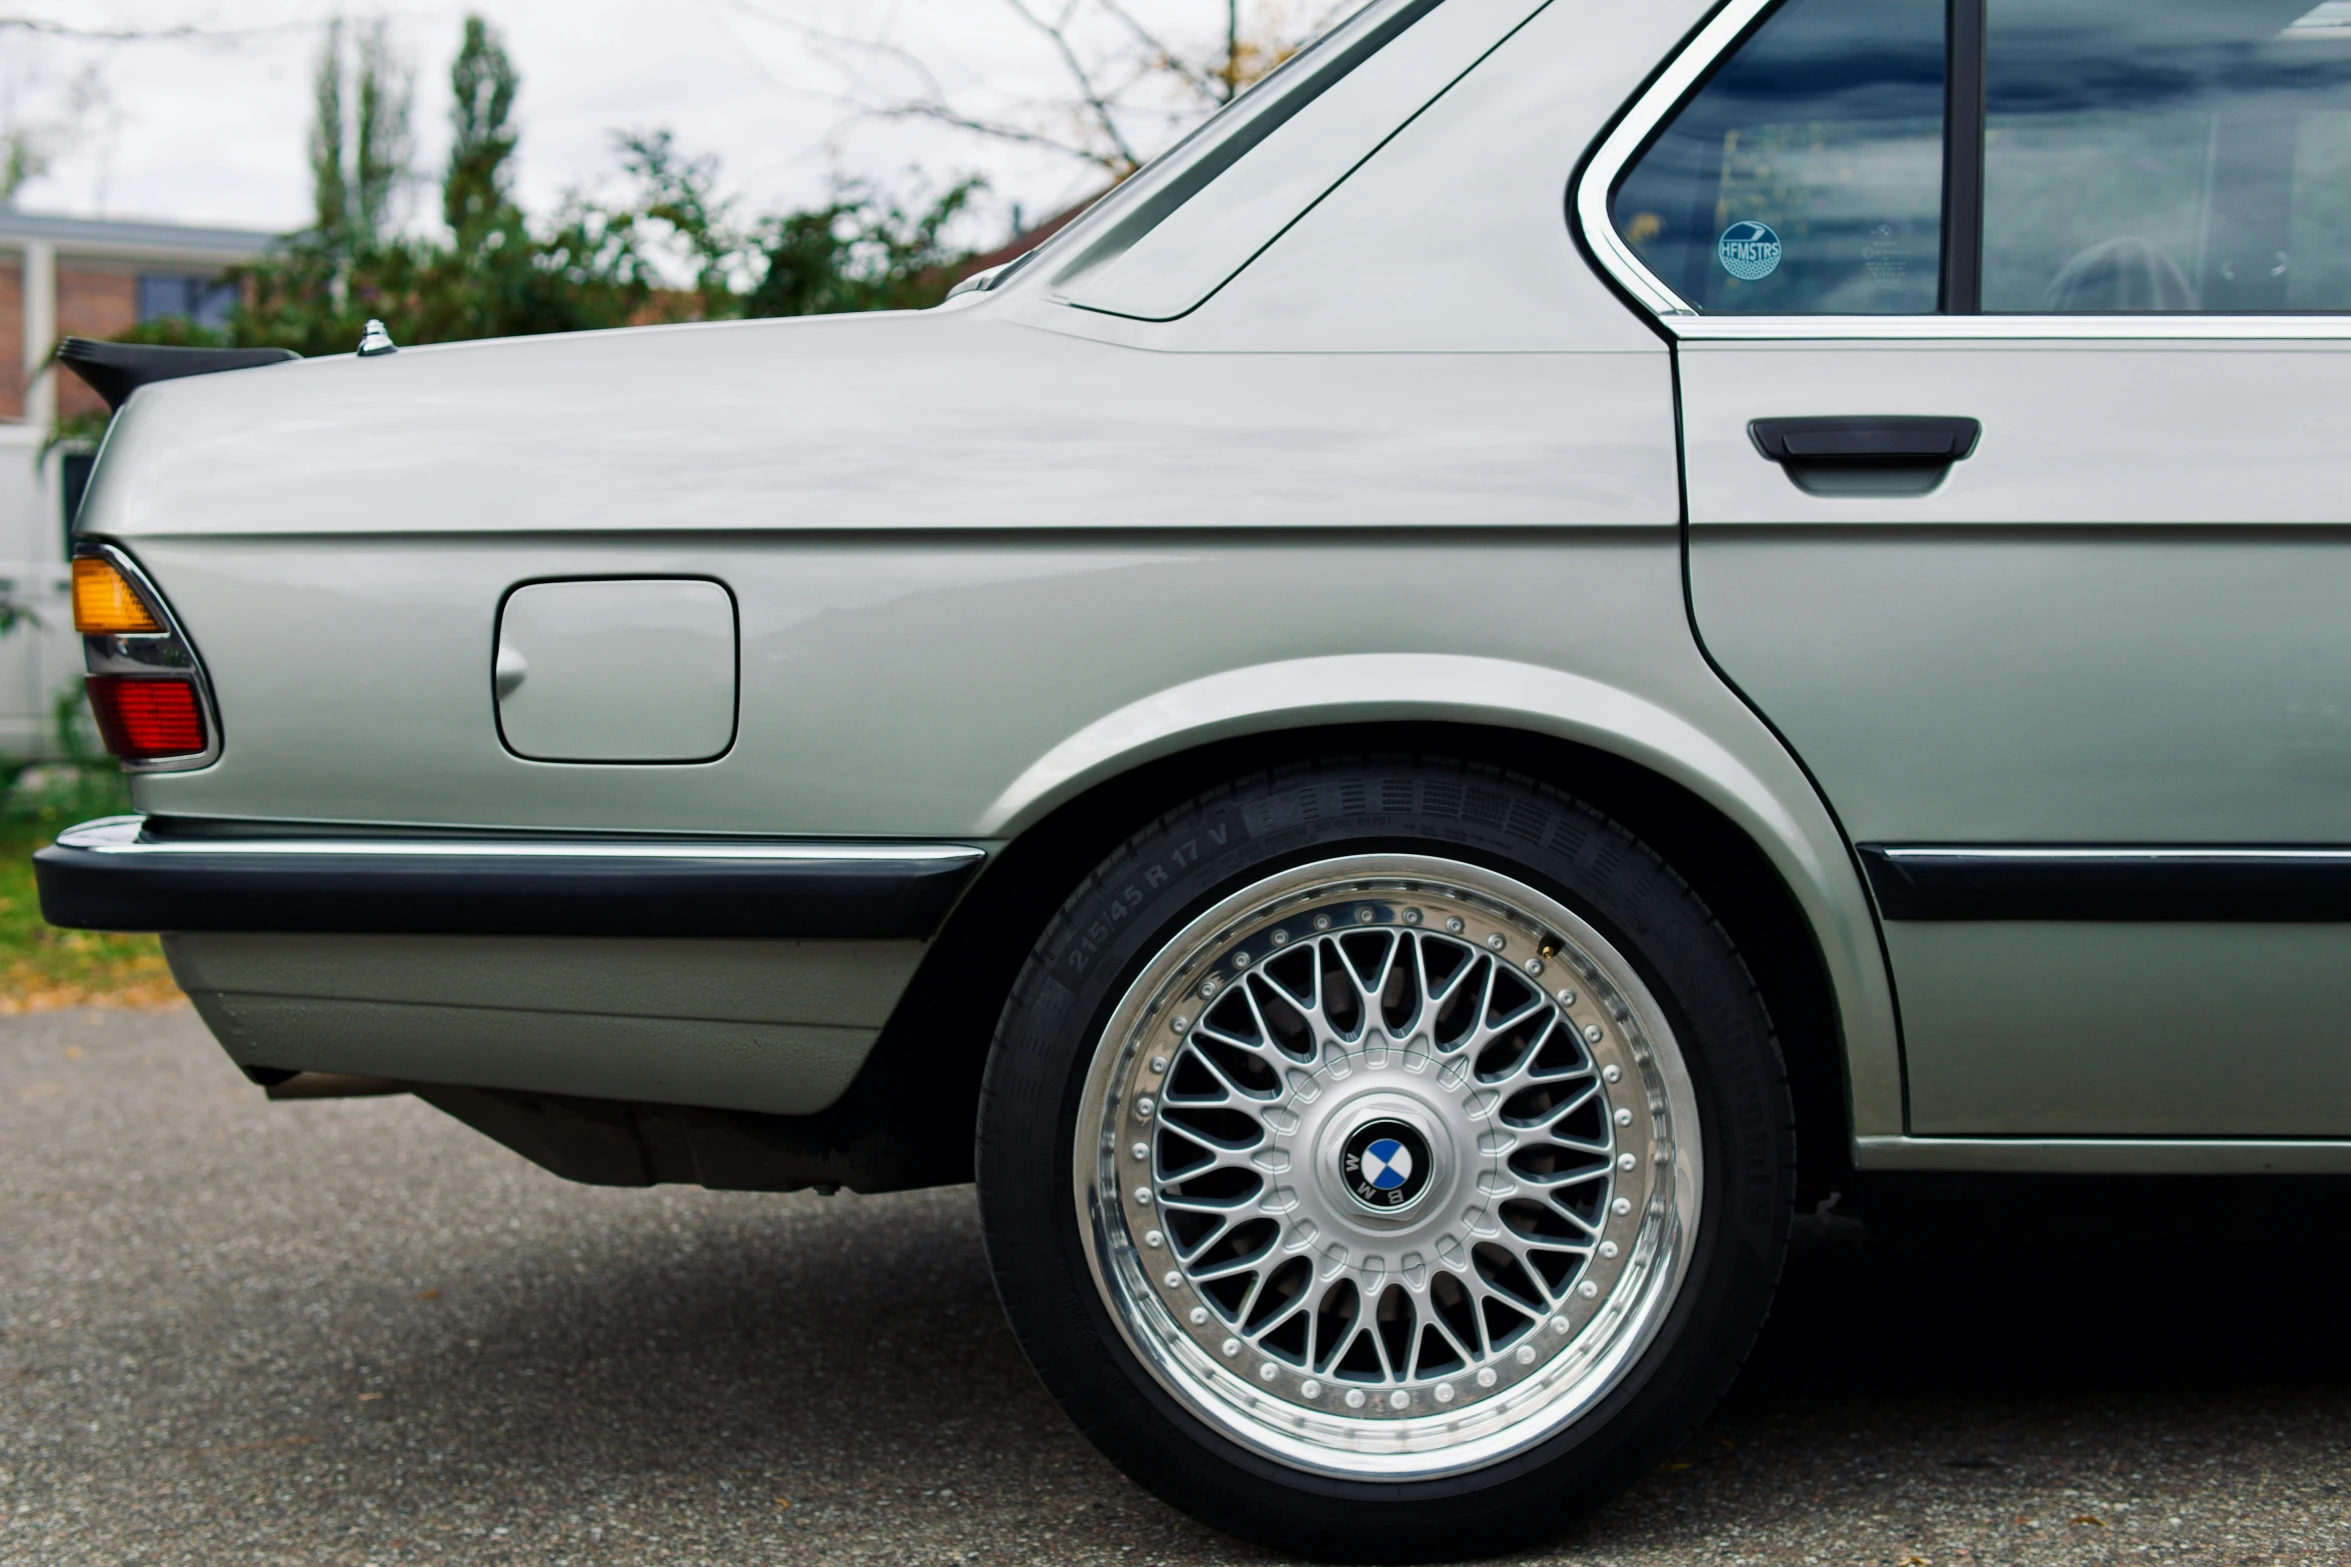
(143, 719)
(104, 602)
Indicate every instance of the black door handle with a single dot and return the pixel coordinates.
(1865, 438)
(1865, 454)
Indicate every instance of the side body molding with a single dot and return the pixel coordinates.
(1782, 816)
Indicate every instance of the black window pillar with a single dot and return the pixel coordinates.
(1962, 291)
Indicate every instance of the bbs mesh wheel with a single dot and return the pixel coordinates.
(1383, 1162)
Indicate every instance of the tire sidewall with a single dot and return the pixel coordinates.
(1163, 879)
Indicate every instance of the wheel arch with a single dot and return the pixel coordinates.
(1088, 795)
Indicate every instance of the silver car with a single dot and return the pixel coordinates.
(1574, 626)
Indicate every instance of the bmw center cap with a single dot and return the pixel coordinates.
(1386, 1164)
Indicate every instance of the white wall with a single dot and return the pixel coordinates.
(35, 662)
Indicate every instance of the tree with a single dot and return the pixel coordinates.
(595, 264)
(29, 147)
(864, 251)
(1128, 89)
(475, 199)
(358, 154)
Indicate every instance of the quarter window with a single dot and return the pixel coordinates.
(2167, 155)
(1806, 176)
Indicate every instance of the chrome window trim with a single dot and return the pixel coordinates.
(2012, 328)
(1618, 148)
(1684, 321)
(103, 655)
(123, 835)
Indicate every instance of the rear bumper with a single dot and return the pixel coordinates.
(118, 874)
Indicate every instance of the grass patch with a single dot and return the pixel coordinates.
(43, 967)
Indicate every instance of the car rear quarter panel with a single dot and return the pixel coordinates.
(988, 556)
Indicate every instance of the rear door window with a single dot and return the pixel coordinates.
(1806, 176)
(2167, 155)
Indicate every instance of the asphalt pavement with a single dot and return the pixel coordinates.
(233, 1331)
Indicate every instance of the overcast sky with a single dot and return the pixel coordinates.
(211, 129)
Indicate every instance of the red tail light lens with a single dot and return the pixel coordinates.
(143, 719)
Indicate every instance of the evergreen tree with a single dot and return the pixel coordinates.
(474, 197)
(596, 264)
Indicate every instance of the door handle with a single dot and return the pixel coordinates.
(1866, 454)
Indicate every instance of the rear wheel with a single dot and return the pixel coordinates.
(1385, 1161)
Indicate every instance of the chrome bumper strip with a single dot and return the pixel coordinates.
(114, 874)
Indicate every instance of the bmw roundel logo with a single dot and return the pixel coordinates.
(1386, 1164)
(1749, 250)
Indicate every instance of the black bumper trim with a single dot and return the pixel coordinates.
(2224, 885)
(111, 875)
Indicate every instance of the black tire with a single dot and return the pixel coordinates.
(1109, 930)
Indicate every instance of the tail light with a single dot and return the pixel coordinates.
(105, 602)
(144, 686)
(145, 720)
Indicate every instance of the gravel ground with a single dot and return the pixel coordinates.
(232, 1331)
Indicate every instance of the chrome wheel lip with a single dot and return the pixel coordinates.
(1420, 1439)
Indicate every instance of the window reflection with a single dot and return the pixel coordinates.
(2167, 155)
(1806, 176)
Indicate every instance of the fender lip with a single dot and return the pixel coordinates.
(115, 874)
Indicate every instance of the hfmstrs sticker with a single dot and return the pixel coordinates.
(1749, 250)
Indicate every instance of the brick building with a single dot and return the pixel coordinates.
(84, 277)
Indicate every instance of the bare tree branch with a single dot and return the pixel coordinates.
(1131, 86)
(1197, 80)
(1104, 120)
(43, 27)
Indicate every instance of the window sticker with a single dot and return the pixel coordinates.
(1749, 250)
